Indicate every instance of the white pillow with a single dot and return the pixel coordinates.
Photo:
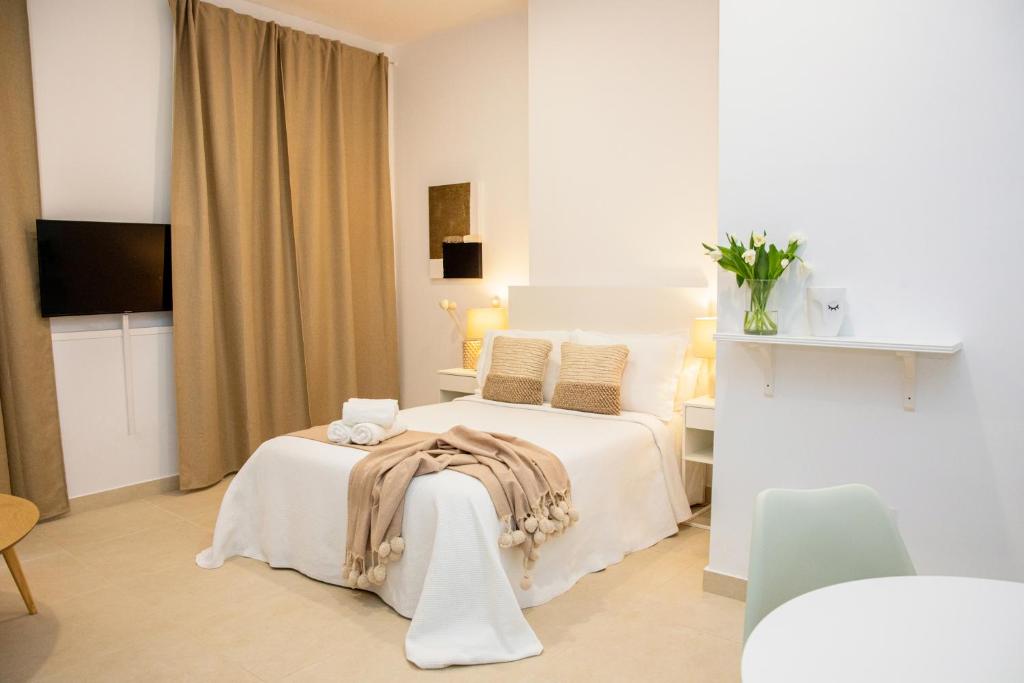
(655, 362)
(556, 337)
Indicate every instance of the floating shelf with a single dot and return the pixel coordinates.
(862, 343)
(906, 351)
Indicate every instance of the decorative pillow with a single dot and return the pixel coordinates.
(591, 378)
(556, 337)
(651, 381)
(516, 373)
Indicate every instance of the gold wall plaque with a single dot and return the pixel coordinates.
(449, 214)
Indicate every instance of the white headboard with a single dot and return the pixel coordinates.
(650, 310)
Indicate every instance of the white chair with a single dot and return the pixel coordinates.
(804, 540)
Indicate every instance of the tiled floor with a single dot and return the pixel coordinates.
(120, 599)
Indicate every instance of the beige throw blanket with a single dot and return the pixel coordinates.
(528, 485)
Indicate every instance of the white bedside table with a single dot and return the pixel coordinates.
(455, 382)
(699, 440)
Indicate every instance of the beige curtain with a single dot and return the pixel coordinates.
(284, 285)
(31, 459)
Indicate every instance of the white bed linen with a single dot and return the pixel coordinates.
(288, 507)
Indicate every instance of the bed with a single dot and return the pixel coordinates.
(288, 505)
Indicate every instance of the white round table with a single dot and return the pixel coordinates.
(900, 629)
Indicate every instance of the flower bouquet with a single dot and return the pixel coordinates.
(759, 265)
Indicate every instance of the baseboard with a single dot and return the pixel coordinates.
(124, 494)
(725, 584)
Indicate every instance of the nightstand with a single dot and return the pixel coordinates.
(699, 443)
(455, 382)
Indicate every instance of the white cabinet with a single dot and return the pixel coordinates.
(455, 382)
(699, 445)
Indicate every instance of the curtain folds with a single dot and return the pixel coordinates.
(283, 253)
(31, 458)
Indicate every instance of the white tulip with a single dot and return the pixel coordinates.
(785, 262)
(715, 254)
(805, 268)
(798, 237)
(750, 256)
(758, 240)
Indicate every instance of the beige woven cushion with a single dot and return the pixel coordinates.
(591, 378)
(516, 373)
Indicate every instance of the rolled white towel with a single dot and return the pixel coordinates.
(378, 411)
(369, 434)
(339, 432)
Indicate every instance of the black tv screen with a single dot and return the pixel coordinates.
(88, 267)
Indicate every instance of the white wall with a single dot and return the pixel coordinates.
(101, 73)
(890, 134)
(623, 137)
(99, 453)
(461, 114)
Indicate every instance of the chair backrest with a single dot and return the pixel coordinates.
(804, 540)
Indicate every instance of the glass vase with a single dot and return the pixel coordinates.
(761, 316)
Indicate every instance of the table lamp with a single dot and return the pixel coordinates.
(702, 341)
(478, 322)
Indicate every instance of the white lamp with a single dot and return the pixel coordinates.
(478, 322)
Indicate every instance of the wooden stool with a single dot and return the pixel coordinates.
(17, 517)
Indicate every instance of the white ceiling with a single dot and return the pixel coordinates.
(392, 21)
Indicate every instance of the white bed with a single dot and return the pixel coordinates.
(288, 507)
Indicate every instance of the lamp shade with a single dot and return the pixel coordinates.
(703, 337)
(480, 320)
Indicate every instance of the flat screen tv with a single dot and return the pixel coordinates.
(88, 267)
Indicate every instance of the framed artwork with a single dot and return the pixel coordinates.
(455, 252)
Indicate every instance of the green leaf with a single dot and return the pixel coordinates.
(739, 280)
(761, 264)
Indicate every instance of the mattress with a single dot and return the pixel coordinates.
(288, 507)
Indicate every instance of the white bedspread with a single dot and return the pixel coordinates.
(288, 507)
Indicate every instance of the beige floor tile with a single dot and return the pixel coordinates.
(682, 656)
(197, 597)
(187, 503)
(694, 657)
(146, 552)
(66, 633)
(706, 612)
(274, 638)
(121, 599)
(178, 660)
(628, 642)
(54, 577)
(76, 531)
(204, 518)
(368, 659)
(704, 517)
(36, 544)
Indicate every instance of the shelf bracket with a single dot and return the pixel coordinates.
(909, 379)
(766, 359)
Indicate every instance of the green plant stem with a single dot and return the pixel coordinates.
(758, 319)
